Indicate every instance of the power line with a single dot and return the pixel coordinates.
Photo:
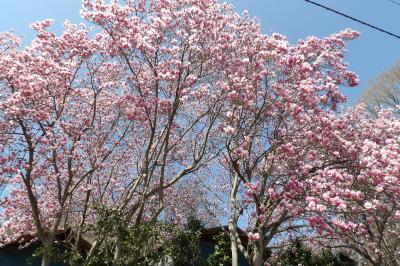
(394, 2)
(352, 18)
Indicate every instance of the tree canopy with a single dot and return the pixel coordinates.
(161, 110)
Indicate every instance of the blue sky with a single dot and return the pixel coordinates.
(370, 54)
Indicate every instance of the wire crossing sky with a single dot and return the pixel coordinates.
(394, 2)
(355, 19)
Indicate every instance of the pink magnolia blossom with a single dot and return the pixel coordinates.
(253, 237)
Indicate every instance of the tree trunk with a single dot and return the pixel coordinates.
(117, 251)
(258, 257)
(233, 220)
(46, 259)
(234, 244)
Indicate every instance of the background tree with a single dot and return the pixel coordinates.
(222, 255)
(384, 91)
(152, 243)
(297, 253)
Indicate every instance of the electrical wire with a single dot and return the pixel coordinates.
(394, 2)
(354, 19)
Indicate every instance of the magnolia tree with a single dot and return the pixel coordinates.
(115, 115)
(357, 206)
(176, 55)
(286, 88)
(60, 122)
